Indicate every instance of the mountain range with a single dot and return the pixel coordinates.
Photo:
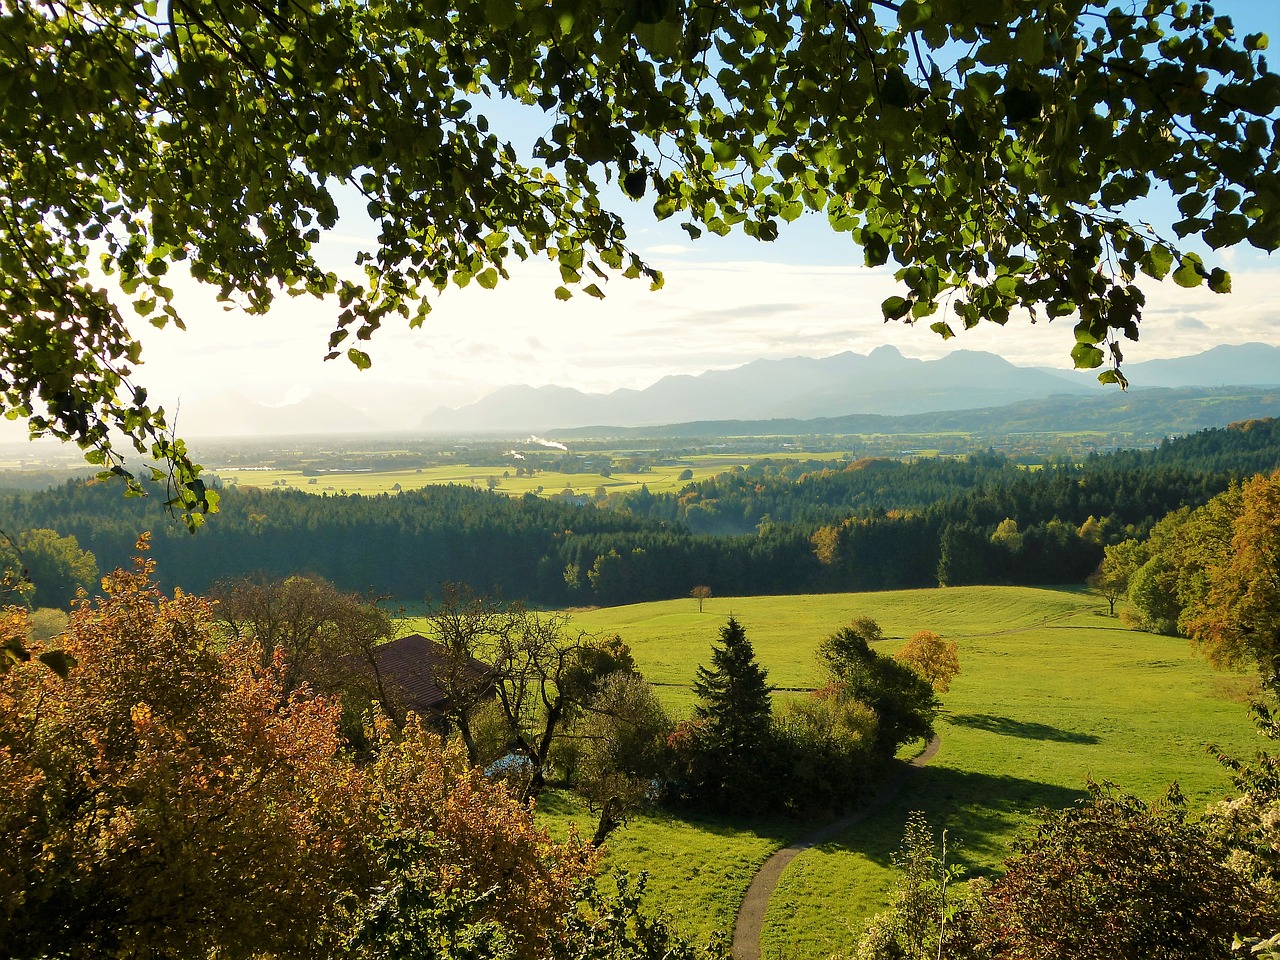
(882, 383)
(1140, 416)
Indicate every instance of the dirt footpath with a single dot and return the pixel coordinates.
(750, 922)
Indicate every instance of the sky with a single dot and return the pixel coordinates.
(726, 302)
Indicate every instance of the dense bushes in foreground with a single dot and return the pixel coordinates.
(169, 797)
(1112, 878)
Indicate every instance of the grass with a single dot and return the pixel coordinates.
(1053, 693)
(698, 868)
(659, 479)
(670, 639)
(545, 483)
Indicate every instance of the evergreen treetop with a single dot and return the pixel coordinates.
(734, 693)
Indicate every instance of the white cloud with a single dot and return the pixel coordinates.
(708, 316)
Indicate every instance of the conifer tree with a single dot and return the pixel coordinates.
(736, 716)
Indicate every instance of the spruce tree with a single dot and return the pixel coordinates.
(736, 713)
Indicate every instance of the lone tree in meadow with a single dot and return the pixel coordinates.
(934, 659)
(1120, 562)
(700, 593)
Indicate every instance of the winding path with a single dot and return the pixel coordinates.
(750, 922)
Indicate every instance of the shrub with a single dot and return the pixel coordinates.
(1115, 878)
(920, 906)
(904, 703)
(828, 746)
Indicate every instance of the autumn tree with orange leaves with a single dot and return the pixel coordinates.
(934, 659)
(170, 798)
(1236, 620)
(167, 798)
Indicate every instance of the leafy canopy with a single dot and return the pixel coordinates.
(169, 795)
(987, 147)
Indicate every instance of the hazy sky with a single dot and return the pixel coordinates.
(726, 302)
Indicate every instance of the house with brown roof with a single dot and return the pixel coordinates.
(426, 678)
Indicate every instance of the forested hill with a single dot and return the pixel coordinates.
(870, 525)
(1128, 485)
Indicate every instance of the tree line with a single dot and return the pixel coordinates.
(878, 524)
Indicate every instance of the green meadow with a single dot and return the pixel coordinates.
(664, 478)
(1053, 693)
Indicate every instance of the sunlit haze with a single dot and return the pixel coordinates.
(725, 303)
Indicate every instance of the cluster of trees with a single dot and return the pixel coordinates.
(231, 776)
(815, 753)
(1112, 877)
(1131, 484)
(173, 796)
(980, 519)
(1210, 574)
(46, 570)
(573, 709)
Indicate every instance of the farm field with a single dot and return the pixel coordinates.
(1052, 693)
(659, 479)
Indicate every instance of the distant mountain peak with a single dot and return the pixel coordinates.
(884, 383)
(885, 351)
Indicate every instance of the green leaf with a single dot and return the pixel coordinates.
(1030, 41)
(1086, 356)
(895, 308)
(634, 184)
(1191, 204)
(1157, 261)
(1190, 272)
(649, 11)
(966, 138)
(894, 89)
(563, 293)
(914, 13)
(359, 358)
(1021, 105)
(875, 248)
(500, 13)
(487, 278)
(661, 39)
(1220, 281)
(1227, 230)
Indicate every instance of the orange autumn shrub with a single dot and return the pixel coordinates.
(169, 798)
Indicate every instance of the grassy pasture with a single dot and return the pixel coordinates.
(659, 479)
(1053, 692)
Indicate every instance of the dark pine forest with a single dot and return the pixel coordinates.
(777, 527)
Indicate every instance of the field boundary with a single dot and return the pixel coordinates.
(750, 922)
